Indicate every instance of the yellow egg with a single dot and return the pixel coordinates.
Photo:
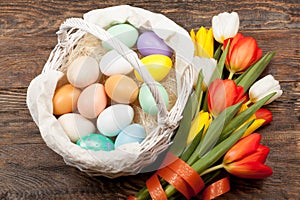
(157, 65)
(65, 99)
(121, 88)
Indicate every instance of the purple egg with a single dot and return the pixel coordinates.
(149, 43)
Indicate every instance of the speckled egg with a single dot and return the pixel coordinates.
(96, 142)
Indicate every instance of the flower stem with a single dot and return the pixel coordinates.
(248, 102)
(230, 75)
(212, 169)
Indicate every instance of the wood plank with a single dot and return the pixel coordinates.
(23, 18)
(22, 57)
(41, 163)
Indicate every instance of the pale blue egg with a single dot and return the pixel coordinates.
(147, 101)
(130, 134)
(96, 142)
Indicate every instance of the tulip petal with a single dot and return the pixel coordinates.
(250, 170)
(264, 86)
(242, 148)
(221, 94)
(254, 126)
(225, 25)
(265, 114)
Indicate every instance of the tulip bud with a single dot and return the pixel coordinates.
(204, 42)
(202, 119)
(246, 158)
(225, 25)
(222, 94)
(242, 53)
(264, 114)
(264, 87)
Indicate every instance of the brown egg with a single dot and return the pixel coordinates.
(65, 99)
(92, 101)
(121, 88)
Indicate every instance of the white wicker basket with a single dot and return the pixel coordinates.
(41, 89)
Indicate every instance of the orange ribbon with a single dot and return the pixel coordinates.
(178, 174)
(216, 189)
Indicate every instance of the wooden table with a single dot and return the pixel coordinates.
(30, 170)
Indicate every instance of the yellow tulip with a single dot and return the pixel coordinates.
(255, 125)
(203, 119)
(204, 42)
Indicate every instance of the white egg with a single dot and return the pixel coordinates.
(113, 63)
(114, 118)
(131, 134)
(83, 71)
(76, 126)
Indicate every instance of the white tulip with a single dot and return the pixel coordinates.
(225, 25)
(208, 66)
(264, 87)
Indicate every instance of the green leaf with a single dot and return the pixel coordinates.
(253, 72)
(191, 148)
(197, 95)
(190, 110)
(213, 132)
(243, 116)
(218, 151)
(179, 141)
(220, 66)
(217, 53)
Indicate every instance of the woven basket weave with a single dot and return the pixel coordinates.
(115, 163)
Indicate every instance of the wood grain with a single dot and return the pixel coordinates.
(30, 170)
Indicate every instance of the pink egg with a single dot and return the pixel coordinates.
(92, 101)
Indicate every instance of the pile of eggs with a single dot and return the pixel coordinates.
(83, 104)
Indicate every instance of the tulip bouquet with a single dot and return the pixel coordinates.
(216, 135)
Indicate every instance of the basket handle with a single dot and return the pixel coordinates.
(122, 49)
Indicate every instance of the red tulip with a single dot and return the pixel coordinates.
(222, 94)
(246, 158)
(242, 53)
(265, 114)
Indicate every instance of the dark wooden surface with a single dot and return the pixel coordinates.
(30, 170)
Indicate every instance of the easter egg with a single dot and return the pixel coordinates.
(96, 142)
(149, 43)
(130, 134)
(113, 63)
(114, 118)
(76, 126)
(157, 65)
(147, 101)
(126, 33)
(65, 99)
(83, 71)
(92, 101)
(121, 89)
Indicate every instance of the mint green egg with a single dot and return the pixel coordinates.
(96, 142)
(126, 33)
(147, 101)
